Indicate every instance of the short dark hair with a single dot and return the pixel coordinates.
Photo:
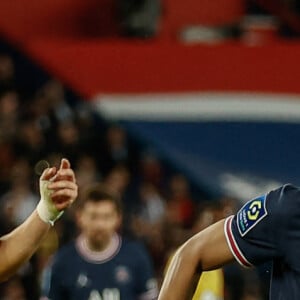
(97, 192)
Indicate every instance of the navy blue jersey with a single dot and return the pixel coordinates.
(123, 271)
(268, 228)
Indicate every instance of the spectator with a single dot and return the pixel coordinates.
(69, 140)
(30, 142)
(86, 171)
(148, 221)
(117, 181)
(9, 113)
(116, 150)
(7, 73)
(20, 200)
(6, 162)
(139, 18)
(180, 205)
(153, 206)
(151, 170)
(60, 110)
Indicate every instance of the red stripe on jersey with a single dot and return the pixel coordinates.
(237, 253)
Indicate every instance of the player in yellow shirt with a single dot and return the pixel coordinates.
(210, 286)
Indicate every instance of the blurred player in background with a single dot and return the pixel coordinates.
(266, 228)
(58, 190)
(100, 264)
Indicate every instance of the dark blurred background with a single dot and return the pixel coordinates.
(186, 109)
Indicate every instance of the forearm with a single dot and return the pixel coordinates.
(58, 190)
(19, 245)
(205, 251)
(179, 276)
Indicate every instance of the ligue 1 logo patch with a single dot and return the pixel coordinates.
(251, 214)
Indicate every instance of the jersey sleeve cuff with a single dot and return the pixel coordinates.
(233, 246)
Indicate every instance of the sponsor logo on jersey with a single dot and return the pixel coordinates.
(251, 214)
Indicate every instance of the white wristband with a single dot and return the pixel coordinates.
(45, 208)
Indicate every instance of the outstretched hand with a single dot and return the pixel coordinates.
(58, 191)
(63, 186)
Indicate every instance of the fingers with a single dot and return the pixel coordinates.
(62, 181)
(65, 195)
(62, 184)
(58, 191)
(63, 198)
(54, 174)
(63, 188)
(48, 173)
(64, 164)
(62, 206)
(64, 172)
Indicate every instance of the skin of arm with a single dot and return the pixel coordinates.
(19, 245)
(207, 250)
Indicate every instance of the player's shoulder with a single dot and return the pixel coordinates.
(285, 192)
(289, 187)
(273, 207)
(135, 253)
(133, 245)
(283, 201)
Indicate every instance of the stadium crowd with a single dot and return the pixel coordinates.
(160, 208)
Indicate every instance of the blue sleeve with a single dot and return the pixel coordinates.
(51, 283)
(146, 285)
(261, 230)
